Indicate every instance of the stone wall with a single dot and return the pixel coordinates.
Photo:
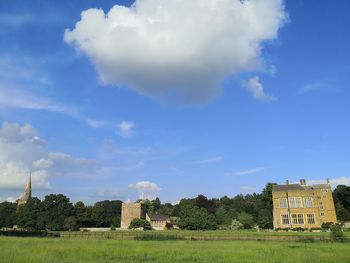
(131, 211)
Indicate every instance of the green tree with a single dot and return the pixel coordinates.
(246, 219)
(56, 208)
(343, 215)
(7, 214)
(71, 224)
(107, 213)
(30, 215)
(341, 195)
(195, 218)
(138, 223)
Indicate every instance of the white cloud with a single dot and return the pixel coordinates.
(22, 151)
(254, 86)
(180, 47)
(214, 159)
(246, 172)
(146, 190)
(11, 97)
(125, 129)
(334, 181)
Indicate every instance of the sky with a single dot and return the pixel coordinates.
(126, 100)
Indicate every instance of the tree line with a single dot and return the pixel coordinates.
(57, 213)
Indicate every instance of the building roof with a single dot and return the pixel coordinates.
(296, 187)
(287, 187)
(156, 217)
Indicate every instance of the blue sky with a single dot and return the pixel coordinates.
(98, 114)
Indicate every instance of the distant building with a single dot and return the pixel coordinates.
(27, 193)
(299, 205)
(158, 222)
(131, 211)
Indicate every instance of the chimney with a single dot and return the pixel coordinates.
(287, 182)
(328, 181)
(302, 182)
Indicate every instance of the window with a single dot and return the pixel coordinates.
(322, 214)
(301, 219)
(283, 203)
(285, 219)
(295, 202)
(294, 219)
(310, 219)
(321, 207)
(308, 201)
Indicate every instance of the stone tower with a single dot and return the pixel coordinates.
(131, 211)
(27, 193)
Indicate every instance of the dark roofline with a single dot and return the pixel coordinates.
(157, 217)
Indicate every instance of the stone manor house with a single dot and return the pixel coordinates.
(301, 205)
(137, 210)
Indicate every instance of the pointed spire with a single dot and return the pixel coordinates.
(27, 192)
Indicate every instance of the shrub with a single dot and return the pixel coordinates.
(327, 225)
(140, 223)
(337, 233)
(236, 225)
(298, 229)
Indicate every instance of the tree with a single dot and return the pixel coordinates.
(246, 219)
(7, 214)
(107, 213)
(56, 208)
(30, 215)
(202, 202)
(195, 218)
(70, 224)
(343, 215)
(222, 217)
(138, 223)
(341, 195)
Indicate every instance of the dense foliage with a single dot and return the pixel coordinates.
(56, 212)
(139, 223)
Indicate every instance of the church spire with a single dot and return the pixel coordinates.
(27, 192)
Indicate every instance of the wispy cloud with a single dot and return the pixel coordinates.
(214, 159)
(256, 88)
(317, 86)
(15, 98)
(246, 172)
(125, 129)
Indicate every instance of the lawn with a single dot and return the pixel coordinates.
(37, 250)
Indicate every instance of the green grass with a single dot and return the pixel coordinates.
(37, 250)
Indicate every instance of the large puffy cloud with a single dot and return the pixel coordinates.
(146, 189)
(22, 151)
(181, 47)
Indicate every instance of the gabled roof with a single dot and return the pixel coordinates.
(287, 187)
(295, 187)
(156, 217)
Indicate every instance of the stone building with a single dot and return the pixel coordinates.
(300, 205)
(158, 222)
(138, 210)
(131, 211)
(27, 193)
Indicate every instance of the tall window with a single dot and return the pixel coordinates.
(285, 219)
(300, 219)
(295, 202)
(310, 219)
(308, 201)
(294, 219)
(283, 202)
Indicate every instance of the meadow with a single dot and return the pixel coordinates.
(60, 250)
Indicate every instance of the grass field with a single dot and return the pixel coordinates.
(37, 250)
